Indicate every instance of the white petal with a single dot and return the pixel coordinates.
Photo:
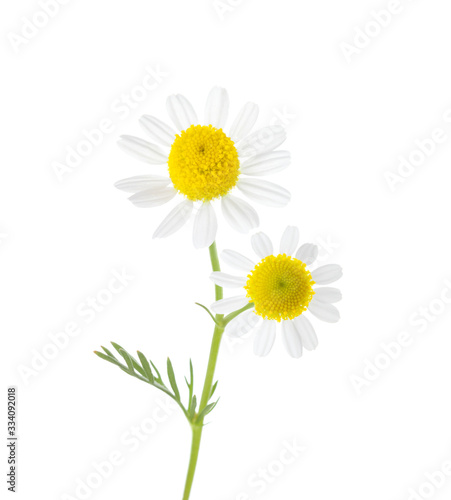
(153, 197)
(227, 280)
(307, 253)
(290, 240)
(244, 121)
(242, 324)
(181, 112)
(236, 260)
(291, 339)
(217, 107)
(226, 306)
(143, 150)
(239, 214)
(327, 294)
(306, 331)
(264, 192)
(158, 130)
(264, 338)
(176, 218)
(141, 182)
(327, 274)
(262, 245)
(266, 163)
(205, 226)
(261, 141)
(323, 311)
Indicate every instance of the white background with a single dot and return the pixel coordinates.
(348, 120)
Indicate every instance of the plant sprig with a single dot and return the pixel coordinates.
(145, 370)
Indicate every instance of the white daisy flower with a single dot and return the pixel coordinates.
(281, 289)
(203, 163)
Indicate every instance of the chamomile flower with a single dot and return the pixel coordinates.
(203, 163)
(282, 290)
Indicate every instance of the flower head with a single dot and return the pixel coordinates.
(205, 163)
(281, 289)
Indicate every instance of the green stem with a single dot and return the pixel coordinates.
(214, 350)
(195, 445)
(216, 267)
(198, 425)
(234, 314)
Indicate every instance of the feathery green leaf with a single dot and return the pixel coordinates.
(158, 377)
(146, 366)
(108, 358)
(136, 365)
(213, 389)
(207, 410)
(172, 380)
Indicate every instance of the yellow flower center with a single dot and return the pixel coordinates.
(280, 287)
(203, 163)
